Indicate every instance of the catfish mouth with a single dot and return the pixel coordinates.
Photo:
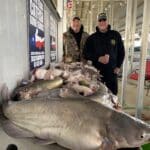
(134, 148)
(129, 145)
(12, 147)
(16, 97)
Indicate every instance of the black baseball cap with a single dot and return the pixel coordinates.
(102, 16)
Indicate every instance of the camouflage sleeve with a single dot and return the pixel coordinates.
(64, 46)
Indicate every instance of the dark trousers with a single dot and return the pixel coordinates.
(111, 81)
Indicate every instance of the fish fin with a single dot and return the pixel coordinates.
(4, 93)
(15, 131)
(42, 141)
(107, 145)
(4, 97)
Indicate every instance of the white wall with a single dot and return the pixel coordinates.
(14, 50)
(14, 44)
(60, 40)
(47, 37)
(60, 9)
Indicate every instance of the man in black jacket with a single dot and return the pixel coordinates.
(106, 51)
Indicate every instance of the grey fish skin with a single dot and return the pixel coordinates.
(78, 124)
(30, 90)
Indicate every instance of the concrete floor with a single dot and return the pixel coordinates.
(130, 102)
(23, 144)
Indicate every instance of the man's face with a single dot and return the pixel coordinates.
(76, 25)
(103, 25)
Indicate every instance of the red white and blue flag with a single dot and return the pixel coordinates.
(69, 3)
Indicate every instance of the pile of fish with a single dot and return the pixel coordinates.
(74, 123)
(25, 92)
(68, 80)
(64, 105)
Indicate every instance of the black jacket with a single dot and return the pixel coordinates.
(99, 44)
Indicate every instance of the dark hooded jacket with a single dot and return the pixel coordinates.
(73, 44)
(99, 44)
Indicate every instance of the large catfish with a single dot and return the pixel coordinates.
(75, 123)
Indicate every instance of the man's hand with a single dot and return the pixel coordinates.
(116, 70)
(104, 59)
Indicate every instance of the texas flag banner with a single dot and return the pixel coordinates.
(69, 3)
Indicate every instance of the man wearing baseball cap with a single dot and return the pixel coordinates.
(74, 41)
(106, 51)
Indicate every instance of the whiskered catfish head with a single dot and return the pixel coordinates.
(128, 131)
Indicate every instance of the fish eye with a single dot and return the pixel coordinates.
(142, 136)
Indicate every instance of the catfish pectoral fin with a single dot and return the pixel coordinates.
(107, 145)
(15, 131)
(42, 141)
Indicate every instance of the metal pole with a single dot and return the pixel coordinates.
(127, 46)
(69, 14)
(87, 22)
(60, 8)
(91, 18)
(133, 28)
(109, 13)
(64, 17)
(101, 6)
(112, 13)
(144, 47)
(98, 6)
